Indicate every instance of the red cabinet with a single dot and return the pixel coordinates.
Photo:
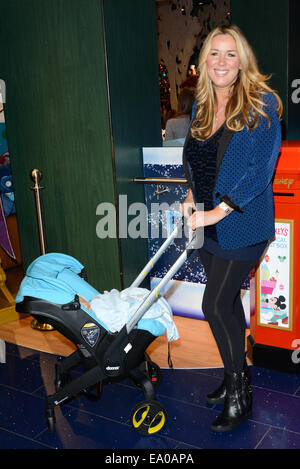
(274, 340)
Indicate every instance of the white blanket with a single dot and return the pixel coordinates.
(115, 308)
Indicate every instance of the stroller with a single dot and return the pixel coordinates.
(103, 355)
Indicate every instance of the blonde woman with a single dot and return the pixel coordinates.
(229, 158)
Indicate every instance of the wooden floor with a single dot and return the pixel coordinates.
(196, 347)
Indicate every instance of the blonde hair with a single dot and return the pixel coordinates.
(245, 103)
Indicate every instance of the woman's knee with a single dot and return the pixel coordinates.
(214, 306)
(208, 306)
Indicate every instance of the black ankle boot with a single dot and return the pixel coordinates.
(218, 396)
(237, 405)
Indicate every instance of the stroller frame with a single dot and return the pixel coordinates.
(105, 355)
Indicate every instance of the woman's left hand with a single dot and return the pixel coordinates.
(206, 218)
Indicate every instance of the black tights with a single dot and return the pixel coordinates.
(222, 306)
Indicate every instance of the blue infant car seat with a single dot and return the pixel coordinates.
(49, 292)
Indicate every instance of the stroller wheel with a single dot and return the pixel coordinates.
(148, 417)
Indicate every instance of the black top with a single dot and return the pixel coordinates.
(202, 158)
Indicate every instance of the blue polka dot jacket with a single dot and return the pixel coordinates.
(245, 167)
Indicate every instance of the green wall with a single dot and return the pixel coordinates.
(130, 33)
(265, 23)
(59, 113)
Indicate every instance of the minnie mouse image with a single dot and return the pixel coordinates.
(278, 304)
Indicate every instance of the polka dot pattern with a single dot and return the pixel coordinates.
(245, 176)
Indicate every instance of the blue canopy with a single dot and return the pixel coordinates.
(54, 277)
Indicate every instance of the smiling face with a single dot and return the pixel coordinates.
(223, 61)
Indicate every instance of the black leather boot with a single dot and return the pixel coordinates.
(237, 405)
(218, 396)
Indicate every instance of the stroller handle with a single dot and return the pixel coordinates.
(153, 295)
(149, 266)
